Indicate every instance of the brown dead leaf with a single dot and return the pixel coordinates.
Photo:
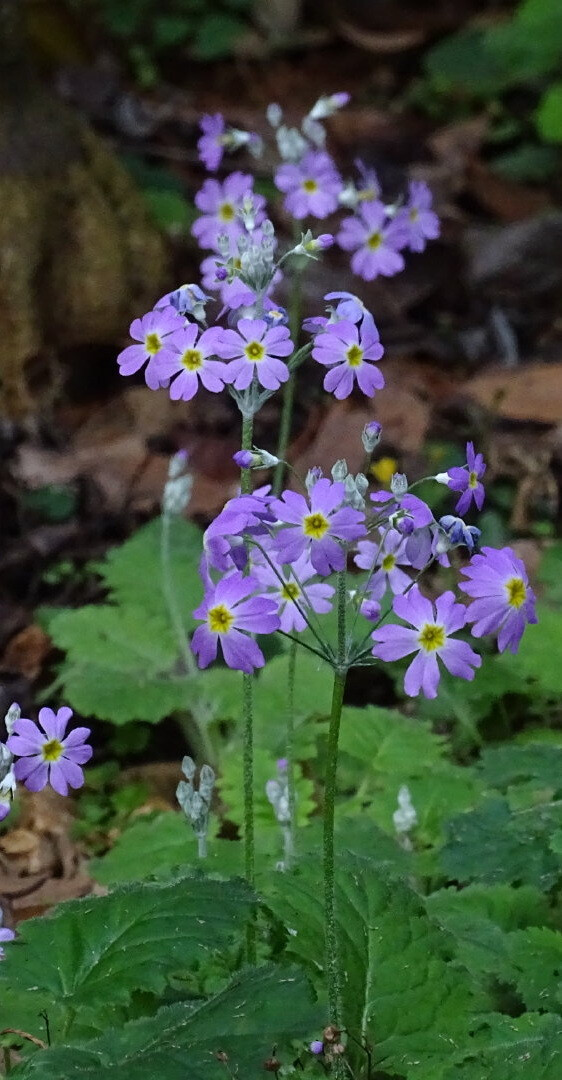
(380, 41)
(506, 199)
(26, 652)
(532, 393)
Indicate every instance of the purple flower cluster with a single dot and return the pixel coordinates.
(377, 234)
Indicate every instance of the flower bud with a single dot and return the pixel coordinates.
(399, 485)
(316, 1047)
(13, 714)
(313, 475)
(274, 114)
(371, 435)
(404, 525)
(339, 471)
(328, 104)
(405, 818)
(370, 610)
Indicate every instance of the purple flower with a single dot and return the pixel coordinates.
(468, 480)
(254, 349)
(403, 506)
(457, 533)
(5, 807)
(370, 610)
(5, 935)
(371, 436)
(223, 540)
(375, 241)
(231, 613)
(220, 205)
(244, 459)
(317, 528)
(152, 330)
(295, 590)
(345, 349)
(388, 555)
(419, 221)
(311, 187)
(433, 624)
(503, 599)
(186, 300)
(189, 359)
(211, 144)
(234, 294)
(317, 1047)
(46, 756)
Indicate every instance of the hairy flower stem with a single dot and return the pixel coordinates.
(333, 964)
(248, 733)
(192, 723)
(289, 387)
(290, 753)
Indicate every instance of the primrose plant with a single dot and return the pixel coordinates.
(276, 559)
(283, 554)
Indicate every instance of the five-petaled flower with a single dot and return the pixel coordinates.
(385, 559)
(45, 755)
(296, 595)
(419, 221)
(311, 187)
(190, 360)
(346, 350)
(429, 639)
(254, 349)
(221, 205)
(375, 240)
(502, 597)
(317, 528)
(152, 331)
(231, 612)
(468, 480)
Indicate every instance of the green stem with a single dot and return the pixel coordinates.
(248, 733)
(193, 723)
(290, 750)
(333, 965)
(289, 387)
(331, 936)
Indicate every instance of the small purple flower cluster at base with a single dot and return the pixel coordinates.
(38, 754)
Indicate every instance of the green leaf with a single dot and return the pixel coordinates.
(527, 1047)
(538, 657)
(216, 36)
(480, 917)
(133, 571)
(153, 846)
(550, 570)
(99, 950)
(262, 1008)
(400, 990)
(536, 954)
(503, 766)
(493, 844)
(118, 663)
(549, 114)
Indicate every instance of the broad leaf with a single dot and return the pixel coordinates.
(262, 1008)
(101, 949)
(400, 991)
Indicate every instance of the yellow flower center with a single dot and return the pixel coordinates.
(432, 637)
(255, 352)
(52, 750)
(388, 563)
(366, 194)
(374, 241)
(290, 591)
(414, 214)
(220, 619)
(516, 592)
(310, 185)
(473, 480)
(192, 359)
(152, 344)
(315, 525)
(237, 263)
(227, 212)
(354, 356)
